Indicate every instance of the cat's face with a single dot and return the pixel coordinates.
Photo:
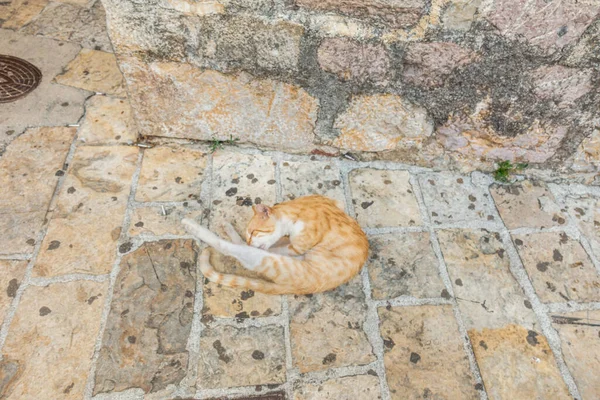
(263, 230)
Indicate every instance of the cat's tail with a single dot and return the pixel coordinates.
(236, 281)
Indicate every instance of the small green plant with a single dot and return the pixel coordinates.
(505, 169)
(216, 144)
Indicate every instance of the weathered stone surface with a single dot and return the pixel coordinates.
(108, 120)
(454, 199)
(558, 267)
(86, 26)
(472, 139)
(586, 211)
(488, 295)
(403, 264)
(10, 280)
(179, 100)
(585, 51)
(314, 177)
(17, 13)
(383, 198)
(527, 204)
(560, 84)
(96, 71)
(234, 193)
(587, 155)
(146, 333)
(395, 13)
(352, 60)
(55, 325)
(162, 177)
(428, 64)
(382, 122)
(517, 363)
(191, 7)
(423, 353)
(346, 388)
(326, 329)
(550, 28)
(48, 104)
(28, 177)
(232, 41)
(86, 222)
(579, 333)
(164, 220)
(460, 14)
(232, 356)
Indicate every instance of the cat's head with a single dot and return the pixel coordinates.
(263, 230)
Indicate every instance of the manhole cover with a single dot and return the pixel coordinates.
(17, 78)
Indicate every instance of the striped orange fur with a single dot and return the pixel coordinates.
(307, 245)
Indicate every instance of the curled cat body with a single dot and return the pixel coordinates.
(302, 246)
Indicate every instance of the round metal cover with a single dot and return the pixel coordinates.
(17, 78)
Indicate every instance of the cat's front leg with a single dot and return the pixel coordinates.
(232, 234)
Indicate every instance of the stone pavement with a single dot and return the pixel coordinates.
(473, 289)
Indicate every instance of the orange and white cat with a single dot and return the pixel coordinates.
(325, 249)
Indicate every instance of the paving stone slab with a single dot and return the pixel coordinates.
(314, 177)
(11, 276)
(383, 198)
(586, 211)
(424, 356)
(29, 171)
(580, 340)
(86, 223)
(517, 363)
(82, 25)
(403, 264)
(527, 204)
(454, 199)
(18, 13)
(347, 388)
(326, 329)
(56, 325)
(163, 220)
(108, 120)
(171, 174)
(486, 291)
(231, 356)
(145, 339)
(239, 182)
(96, 71)
(558, 267)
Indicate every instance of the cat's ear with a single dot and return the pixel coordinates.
(261, 209)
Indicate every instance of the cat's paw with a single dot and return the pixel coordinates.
(232, 233)
(199, 231)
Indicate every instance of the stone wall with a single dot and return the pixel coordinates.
(449, 84)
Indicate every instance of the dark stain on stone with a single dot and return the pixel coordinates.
(44, 311)
(241, 316)
(217, 202)
(189, 294)
(71, 190)
(518, 242)
(472, 198)
(235, 181)
(55, 244)
(387, 182)
(460, 180)
(434, 214)
(125, 247)
(527, 304)
(30, 242)
(178, 180)
(271, 181)
(532, 338)
(246, 294)
(478, 386)
(483, 344)
(268, 312)
(551, 286)
(542, 266)
(13, 286)
(258, 355)
(563, 238)
(186, 266)
(244, 201)
(92, 299)
(250, 176)
(556, 256)
(257, 200)
(254, 313)
(70, 387)
(139, 224)
(562, 31)
(389, 343)
(415, 358)
(458, 282)
(372, 372)
(500, 253)
(445, 294)
(221, 351)
(336, 182)
(366, 204)
(131, 339)
(59, 173)
(231, 191)
(206, 318)
(329, 358)
(471, 206)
